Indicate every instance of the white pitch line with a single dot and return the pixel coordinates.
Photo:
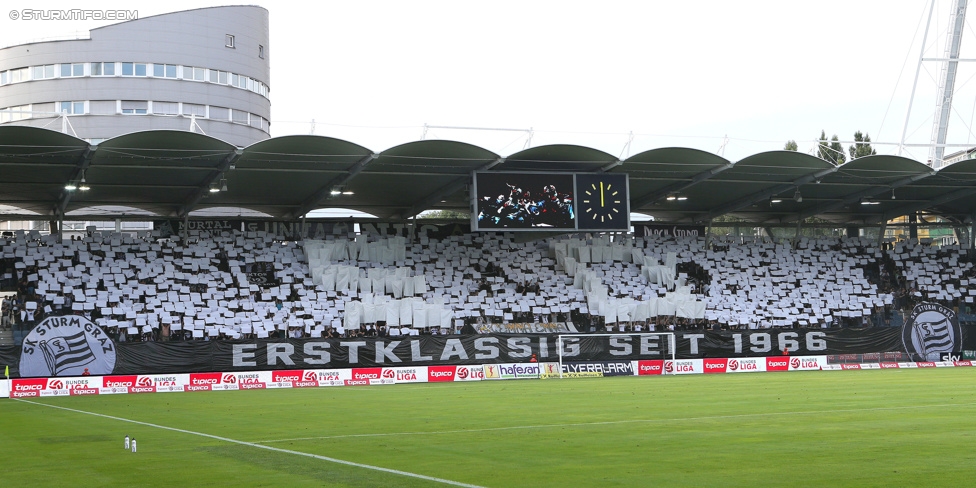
(614, 422)
(251, 444)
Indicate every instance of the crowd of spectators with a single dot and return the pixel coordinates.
(242, 286)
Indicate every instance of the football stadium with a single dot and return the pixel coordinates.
(178, 310)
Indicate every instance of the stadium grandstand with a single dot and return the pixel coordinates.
(199, 278)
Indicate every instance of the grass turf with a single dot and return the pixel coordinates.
(850, 428)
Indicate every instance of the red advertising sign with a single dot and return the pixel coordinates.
(780, 363)
(119, 381)
(650, 367)
(203, 379)
(368, 373)
(440, 373)
(850, 366)
(716, 365)
(27, 388)
(889, 365)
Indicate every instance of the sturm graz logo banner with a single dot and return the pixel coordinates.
(67, 346)
(931, 330)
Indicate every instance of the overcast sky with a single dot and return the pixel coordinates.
(673, 73)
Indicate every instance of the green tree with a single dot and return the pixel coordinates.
(790, 146)
(833, 152)
(861, 147)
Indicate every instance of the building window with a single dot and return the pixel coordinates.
(133, 69)
(195, 74)
(166, 108)
(229, 40)
(72, 108)
(3, 78)
(103, 69)
(135, 107)
(43, 72)
(18, 75)
(219, 113)
(13, 114)
(195, 110)
(72, 69)
(164, 70)
(239, 117)
(260, 51)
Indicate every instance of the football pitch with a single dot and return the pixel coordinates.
(848, 428)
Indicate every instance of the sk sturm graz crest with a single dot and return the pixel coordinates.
(931, 330)
(66, 346)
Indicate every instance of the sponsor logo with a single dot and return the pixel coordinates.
(388, 373)
(804, 364)
(778, 363)
(469, 373)
(304, 384)
(196, 388)
(251, 386)
(491, 372)
(310, 376)
(367, 373)
(679, 367)
(604, 368)
(511, 371)
(34, 384)
(84, 391)
(715, 365)
(118, 381)
(67, 346)
(962, 363)
(888, 365)
(650, 367)
(142, 389)
(228, 378)
(931, 330)
(55, 385)
(286, 375)
(925, 364)
(850, 366)
(204, 378)
(356, 383)
(24, 394)
(440, 373)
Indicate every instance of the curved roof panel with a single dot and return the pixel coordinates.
(169, 173)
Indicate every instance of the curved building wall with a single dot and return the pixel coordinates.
(210, 66)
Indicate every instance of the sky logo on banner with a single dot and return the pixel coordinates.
(931, 330)
(66, 346)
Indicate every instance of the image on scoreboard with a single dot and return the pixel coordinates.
(524, 201)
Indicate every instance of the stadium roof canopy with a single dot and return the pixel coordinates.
(170, 174)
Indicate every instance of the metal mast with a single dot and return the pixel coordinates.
(947, 83)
